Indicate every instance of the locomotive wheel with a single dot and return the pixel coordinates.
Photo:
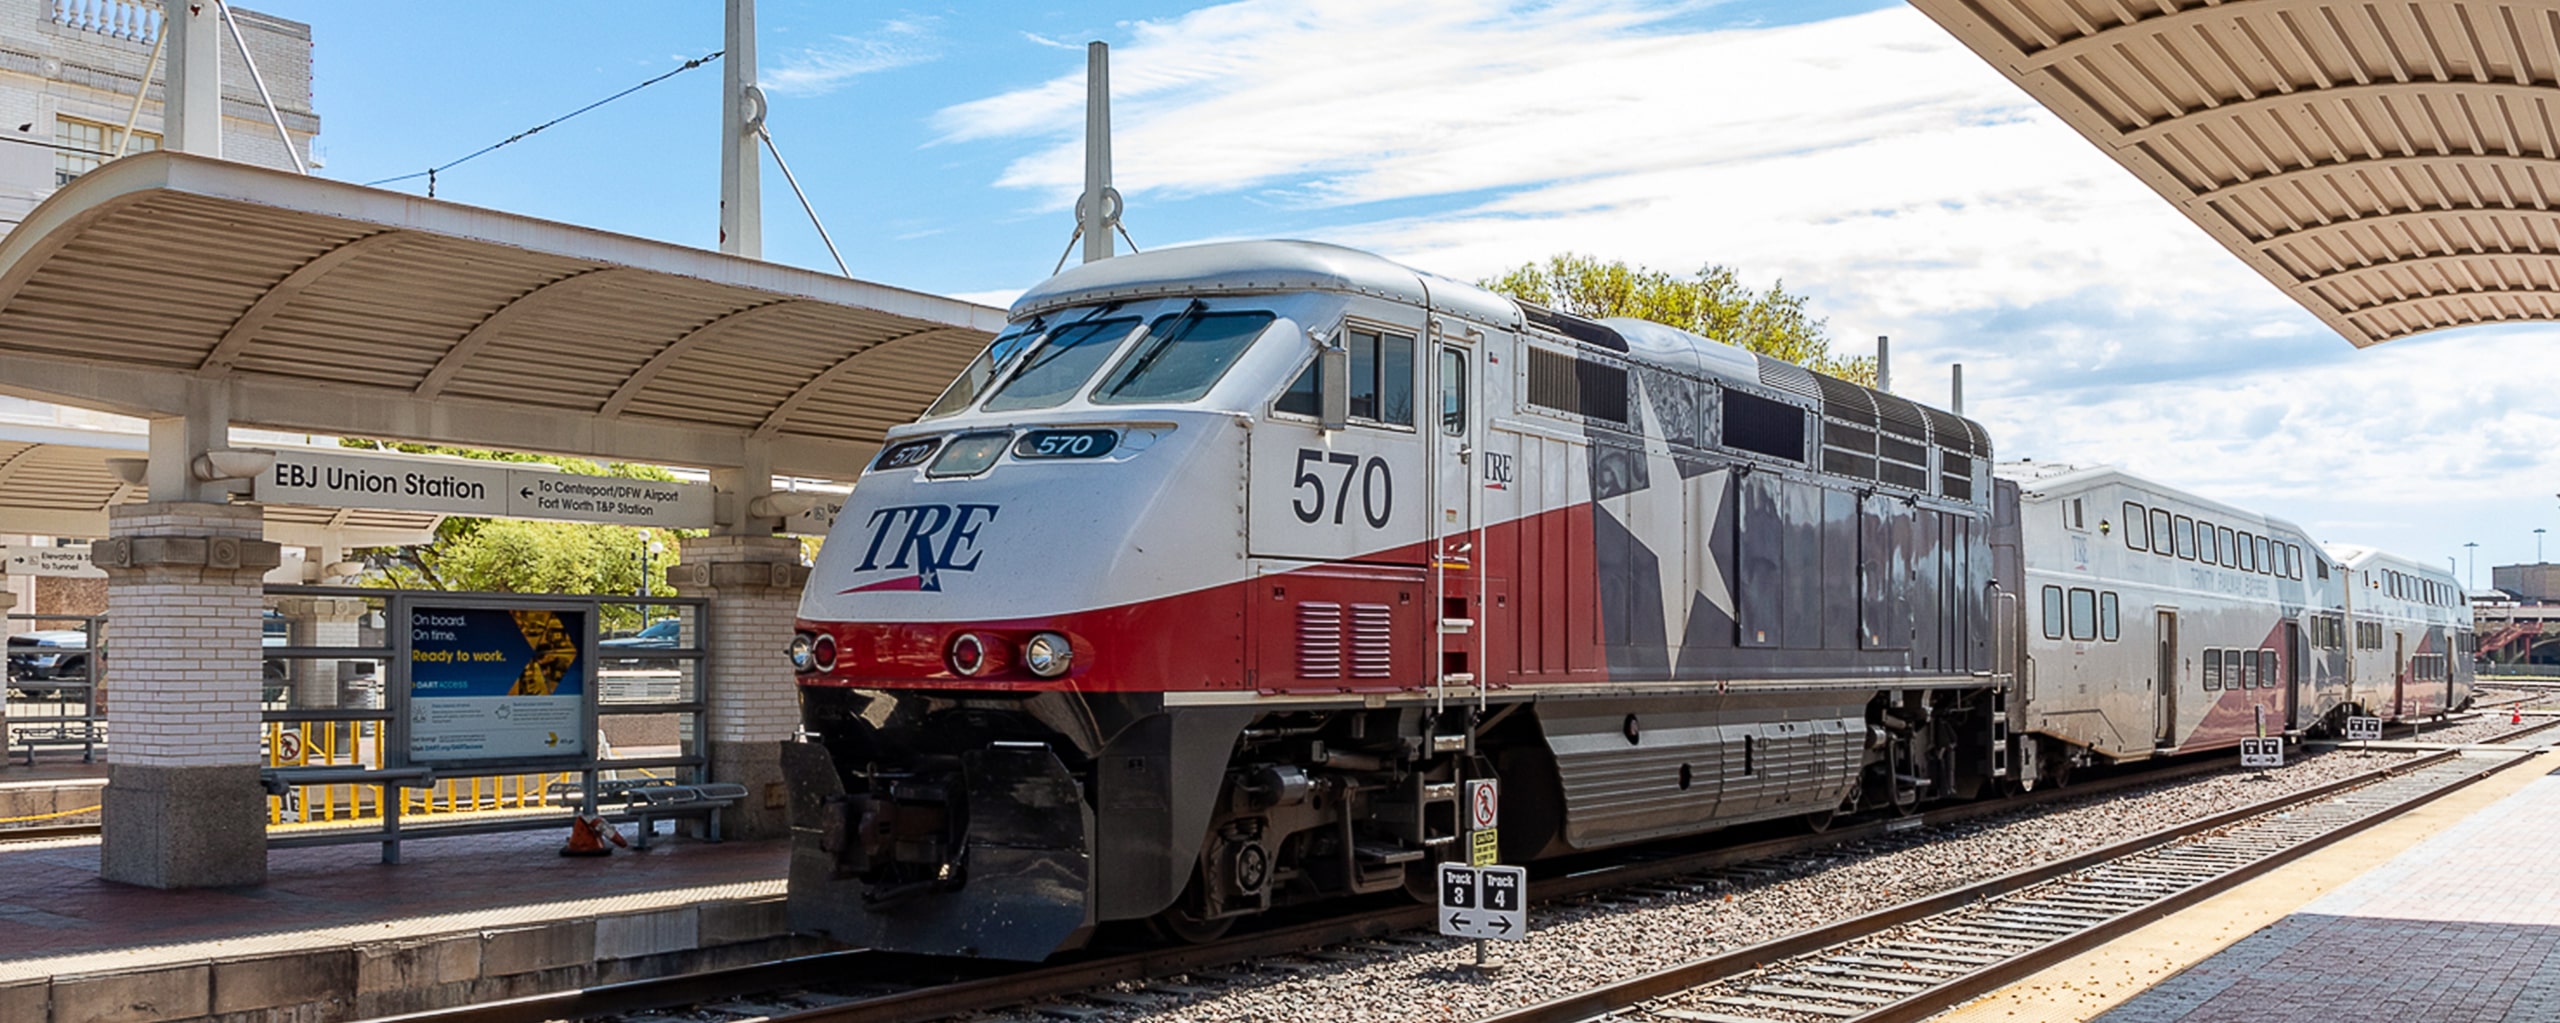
(1817, 823)
(1182, 921)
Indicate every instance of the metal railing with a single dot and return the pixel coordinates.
(55, 699)
(342, 772)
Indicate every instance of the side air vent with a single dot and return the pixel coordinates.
(1577, 386)
(1372, 641)
(1319, 640)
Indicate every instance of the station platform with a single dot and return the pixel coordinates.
(2450, 913)
(50, 794)
(336, 934)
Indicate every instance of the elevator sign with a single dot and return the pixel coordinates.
(330, 479)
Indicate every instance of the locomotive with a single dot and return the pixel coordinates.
(1205, 588)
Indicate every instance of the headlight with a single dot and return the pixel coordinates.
(968, 655)
(800, 651)
(823, 652)
(1048, 655)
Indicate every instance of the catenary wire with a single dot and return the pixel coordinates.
(431, 172)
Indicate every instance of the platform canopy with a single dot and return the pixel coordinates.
(2393, 165)
(318, 306)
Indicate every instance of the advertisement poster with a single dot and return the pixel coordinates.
(496, 684)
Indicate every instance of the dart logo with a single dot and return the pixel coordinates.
(920, 542)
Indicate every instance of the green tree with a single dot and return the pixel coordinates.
(518, 556)
(1714, 303)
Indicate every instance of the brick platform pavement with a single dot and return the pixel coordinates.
(53, 903)
(2462, 928)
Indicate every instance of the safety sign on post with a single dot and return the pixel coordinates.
(1484, 902)
(2267, 752)
(2361, 728)
(1484, 811)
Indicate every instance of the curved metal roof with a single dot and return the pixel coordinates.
(321, 306)
(2393, 165)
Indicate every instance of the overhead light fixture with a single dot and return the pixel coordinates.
(232, 464)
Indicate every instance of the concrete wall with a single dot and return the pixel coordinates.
(2528, 582)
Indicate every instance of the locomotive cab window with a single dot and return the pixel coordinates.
(1058, 368)
(1453, 392)
(1381, 381)
(1183, 355)
(982, 371)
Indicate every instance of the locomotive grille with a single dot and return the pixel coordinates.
(1319, 640)
(1372, 635)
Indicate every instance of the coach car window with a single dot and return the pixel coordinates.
(973, 381)
(2233, 667)
(2053, 612)
(2213, 669)
(2084, 614)
(2133, 526)
(1057, 369)
(2247, 562)
(2107, 629)
(2267, 674)
(1759, 425)
(2230, 552)
(1181, 356)
(2259, 559)
(2186, 538)
(2161, 544)
(2205, 551)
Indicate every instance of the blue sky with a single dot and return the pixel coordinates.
(1849, 148)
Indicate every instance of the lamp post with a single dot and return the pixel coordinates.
(2471, 574)
(2537, 545)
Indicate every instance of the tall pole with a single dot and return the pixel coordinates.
(741, 117)
(191, 117)
(1884, 363)
(2537, 545)
(2471, 574)
(1098, 210)
(1955, 388)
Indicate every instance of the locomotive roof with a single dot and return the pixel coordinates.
(1263, 267)
(1266, 267)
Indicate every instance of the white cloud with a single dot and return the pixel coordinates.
(818, 70)
(1869, 161)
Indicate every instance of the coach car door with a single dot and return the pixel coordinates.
(2164, 726)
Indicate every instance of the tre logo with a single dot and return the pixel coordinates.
(1497, 471)
(927, 539)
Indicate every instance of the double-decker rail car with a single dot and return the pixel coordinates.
(1204, 589)
(2154, 622)
(2157, 621)
(2408, 652)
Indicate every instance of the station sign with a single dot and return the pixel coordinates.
(58, 562)
(498, 683)
(330, 479)
(2266, 752)
(1484, 902)
(2361, 728)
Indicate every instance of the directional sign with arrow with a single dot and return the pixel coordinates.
(1484, 902)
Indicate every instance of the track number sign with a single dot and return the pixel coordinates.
(2267, 752)
(1484, 902)
(2363, 729)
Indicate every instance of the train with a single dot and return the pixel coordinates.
(1207, 586)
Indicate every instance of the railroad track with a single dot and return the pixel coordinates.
(1918, 959)
(870, 987)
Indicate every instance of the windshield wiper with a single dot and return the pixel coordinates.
(1163, 343)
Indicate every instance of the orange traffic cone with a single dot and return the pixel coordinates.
(2516, 715)
(587, 835)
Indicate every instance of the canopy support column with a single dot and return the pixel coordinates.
(754, 585)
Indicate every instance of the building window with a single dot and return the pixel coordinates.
(86, 145)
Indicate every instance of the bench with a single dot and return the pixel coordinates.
(87, 737)
(644, 800)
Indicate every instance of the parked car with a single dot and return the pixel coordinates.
(663, 634)
(48, 655)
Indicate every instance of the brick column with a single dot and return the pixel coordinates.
(183, 808)
(754, 585)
